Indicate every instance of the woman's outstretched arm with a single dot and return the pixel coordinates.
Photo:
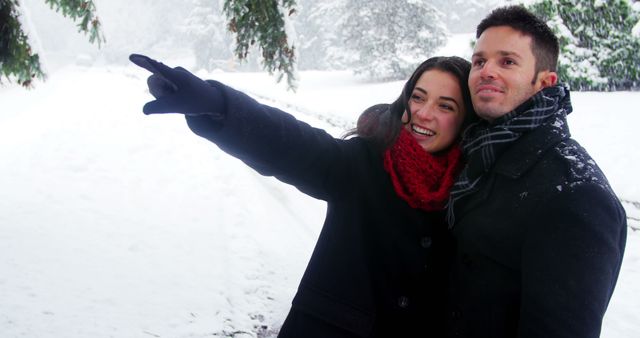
(269, 140)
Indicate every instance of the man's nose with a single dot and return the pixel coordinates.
(488, 71)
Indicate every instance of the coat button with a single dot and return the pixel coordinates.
(455, 314)
(425, 242)
(403, 302)
(466, 259)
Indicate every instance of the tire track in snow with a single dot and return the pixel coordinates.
(633, 213)
(331, 120)
(268, 247)
(272, 238)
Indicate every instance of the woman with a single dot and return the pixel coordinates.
(379, 266)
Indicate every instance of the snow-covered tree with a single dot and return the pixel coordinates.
(313, 36)
(206, 28)
(381, 39)
(321, 35)
(598, 50)
(18, 61)
(636, 28)
(462, 16)
(389, 38)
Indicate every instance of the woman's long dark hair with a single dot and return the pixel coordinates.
(382, 123)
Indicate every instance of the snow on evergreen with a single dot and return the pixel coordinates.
(462, 16)
(206, 27)
(379, 39)
(598, 49)
(388, 39)
(317, 25)
(636, 28)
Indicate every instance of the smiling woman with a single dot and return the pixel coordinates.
(437, 110)
(379, 268)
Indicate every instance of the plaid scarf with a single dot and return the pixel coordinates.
(485, 141)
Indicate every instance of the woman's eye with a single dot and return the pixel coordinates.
(415, 97)
(446, 106)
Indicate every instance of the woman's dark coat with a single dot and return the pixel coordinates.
(378, 267)
(538, 247)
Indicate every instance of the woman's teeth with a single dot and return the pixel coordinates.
(422, 131)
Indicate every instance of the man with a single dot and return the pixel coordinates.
(539, 233)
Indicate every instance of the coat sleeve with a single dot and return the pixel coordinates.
(273, 142)
(570, 262)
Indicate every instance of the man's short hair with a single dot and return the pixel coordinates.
(545, 46)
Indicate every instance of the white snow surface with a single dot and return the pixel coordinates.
(117, 224)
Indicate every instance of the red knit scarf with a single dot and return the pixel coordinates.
(420, 178)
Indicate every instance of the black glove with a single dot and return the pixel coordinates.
(178, 91)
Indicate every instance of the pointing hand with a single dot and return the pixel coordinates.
(178, 91)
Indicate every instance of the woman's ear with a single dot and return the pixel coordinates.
(406, 117)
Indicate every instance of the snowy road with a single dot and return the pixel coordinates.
(115, 224)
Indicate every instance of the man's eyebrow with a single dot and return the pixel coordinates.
(509, 53)
(501, 52)
(477, 54)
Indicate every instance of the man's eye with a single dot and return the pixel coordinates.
(478, 63)
(509, 62)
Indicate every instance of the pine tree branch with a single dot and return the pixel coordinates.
(16, 57)
(83, 11)
(262, 22)
(17, 60)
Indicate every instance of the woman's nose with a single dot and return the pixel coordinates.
(425, 112)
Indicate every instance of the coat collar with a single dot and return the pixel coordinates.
(528, 150)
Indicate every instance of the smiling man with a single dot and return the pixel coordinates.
(539, 233)
(505, 73)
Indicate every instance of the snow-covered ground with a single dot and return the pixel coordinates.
(116, 224)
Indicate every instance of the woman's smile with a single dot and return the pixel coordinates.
(422, 131)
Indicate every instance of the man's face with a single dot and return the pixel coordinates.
(502, 72)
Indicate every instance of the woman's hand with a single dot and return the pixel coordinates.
(178, 91)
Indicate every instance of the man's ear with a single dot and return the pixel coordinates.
(548, 78)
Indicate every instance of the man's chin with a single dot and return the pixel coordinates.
(490, 112)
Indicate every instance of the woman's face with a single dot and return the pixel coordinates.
(437, 110)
